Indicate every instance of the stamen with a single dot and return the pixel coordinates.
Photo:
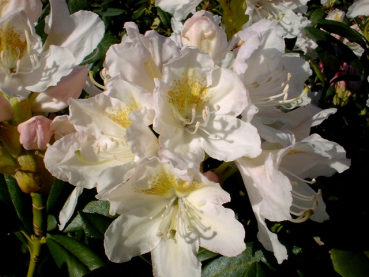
(303, 218)
(308, 182)
(82, 160)
(91, 75)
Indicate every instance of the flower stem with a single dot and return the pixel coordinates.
(36, 240)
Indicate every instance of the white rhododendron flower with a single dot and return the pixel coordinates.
(272, 77)
(277, 189)
(171, 213)
(196, 110)
(32, 8)
(26, 65)
(139, 59)
(282, 11)
(179, 8)
(359, 7)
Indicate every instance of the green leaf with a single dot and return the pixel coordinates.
(103, 47)
(343, 30)
(76, 256)
(112, 12)
(52, 223)
(316, 15)
(245, 264)
(136, 14)
(22, 203)
(333, 46)
(93, 225)
(205, 254)
(99, 207)
(54, 194)
(164, 17)
(4, 193)
(233, 16)
(76, 5)
(350, 263)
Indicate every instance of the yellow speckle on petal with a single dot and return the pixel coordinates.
(12, 45)
(121, 116)
(189, 91)
(162, 184)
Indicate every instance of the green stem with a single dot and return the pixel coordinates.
(36, 240)
(38, 214)
(35, 250)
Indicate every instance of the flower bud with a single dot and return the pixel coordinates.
(32, 175)
(9, 139)
(202, 31)
(6, 110)
(35, 133)
(8, 164)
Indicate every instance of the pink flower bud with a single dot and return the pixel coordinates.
(35, 133)
(202, 31)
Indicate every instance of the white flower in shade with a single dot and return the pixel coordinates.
(196, 110)
(27, 65)
(282, 11)
(32, 8)
(171, 213)
(276, 185)
(272, 77)
(23, 65)
(179, 8)
(284, 128)
(80, 32)
(202, 31)
(359, 7)
(139, 59)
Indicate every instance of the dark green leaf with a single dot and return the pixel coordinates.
(205, 254)
(350, 263)
(136, 14)
(22, 203)
(316, 15)
(343, 30)
(4, 193)
(112, 12)
(76, 5)
(93, 225)
(76, 256)
(245, 264)
(333, 46)
(54, 194)
(99, 207)
(164, 17)
(52, 223)
(103, 46)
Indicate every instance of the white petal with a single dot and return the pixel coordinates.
(359, 7)
(130, 235)
(230, 138)
(69, 206)
(224, 235)
(80, 32)
(176, 258)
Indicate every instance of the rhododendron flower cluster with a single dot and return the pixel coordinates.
(163, 108)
